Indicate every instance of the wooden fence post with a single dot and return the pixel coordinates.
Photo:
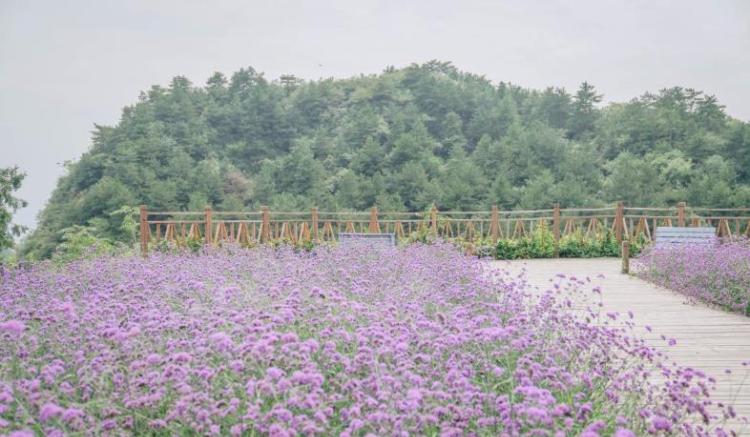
(433, 219)
(723, 230)
(556, 228)
(374, 225)
(209, 226)
(495, 224)
(625, 256)
(144, 231)
(681, 214)
(314, 216)
(619, 220)
(265, 226)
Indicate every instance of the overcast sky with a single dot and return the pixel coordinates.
(65, 65)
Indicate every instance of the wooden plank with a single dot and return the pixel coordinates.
(144, 231)
(681, 214)
(619, 221)
(373, 226)
(265, 227)
(433, 219)
(494, 224)
(707, 338)
(314, 224)
(207, 232)
(556, 228)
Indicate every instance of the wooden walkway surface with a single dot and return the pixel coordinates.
(709, 339)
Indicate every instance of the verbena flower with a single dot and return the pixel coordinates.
(716, 274)
(13, 327)
(340, 341)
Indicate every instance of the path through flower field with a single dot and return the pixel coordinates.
(695, 335)
(346, 341)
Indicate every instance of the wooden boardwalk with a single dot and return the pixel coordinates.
(707, 338)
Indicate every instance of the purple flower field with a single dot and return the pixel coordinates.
(341, 341)
(718, 274)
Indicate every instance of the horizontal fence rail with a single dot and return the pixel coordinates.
(266, 226)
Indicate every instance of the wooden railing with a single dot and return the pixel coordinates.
(257, 227)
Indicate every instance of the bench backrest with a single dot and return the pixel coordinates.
(672, 235)
(380, 239)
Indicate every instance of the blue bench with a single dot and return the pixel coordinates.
(673, 235)
(377, 239)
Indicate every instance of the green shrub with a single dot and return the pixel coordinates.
(85, 242)
(541, 244)
(79, 243)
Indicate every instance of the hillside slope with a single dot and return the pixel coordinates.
(402, 139)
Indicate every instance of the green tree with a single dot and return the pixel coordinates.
(501, 192)
(554, 107)
(631, 179)
(713, 184)
(463, 185)
(538, 192)
(369, 158)
(414, 145)
(413, 184)
(452, 135)
(581, 124)
(10, 181)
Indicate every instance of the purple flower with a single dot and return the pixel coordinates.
(661, 423)
(153, 359)
(401, 341)
(717, 274)
(72, 414)
(14, 327)
(274, 373)
(49, 411)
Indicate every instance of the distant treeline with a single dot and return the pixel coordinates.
(400, 140)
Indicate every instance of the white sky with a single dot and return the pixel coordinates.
(65, 65)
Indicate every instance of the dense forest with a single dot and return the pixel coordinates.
(401, 140)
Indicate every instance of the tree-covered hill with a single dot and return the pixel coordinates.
(402, 139)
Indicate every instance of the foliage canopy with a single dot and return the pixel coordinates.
(10, 181)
